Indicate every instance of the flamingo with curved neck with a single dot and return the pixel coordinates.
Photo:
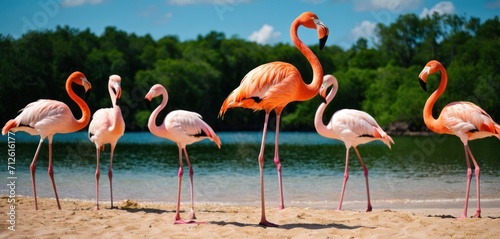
(353, 127)
(463, 119)
(184, 128)
(272, 86)
(49, 117)
(106, 127)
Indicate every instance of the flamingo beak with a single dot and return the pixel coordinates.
(322, 94)
(148, 98)
(322, 33)
(423, 77)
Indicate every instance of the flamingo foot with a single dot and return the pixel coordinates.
(192, 216)
(180, 221)
(478, 214)
(265, 223)
(96, 208)
(281, 207)
(369, 209)
(462, 217)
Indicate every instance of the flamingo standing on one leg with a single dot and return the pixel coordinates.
(463, 119)
(273, 85)
(49, 117)
(184, 128)
(106, 127)
(353, 127)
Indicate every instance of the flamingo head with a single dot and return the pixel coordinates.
(155, 91)
(80, 79)
(310, 20)
(328, 80)
(114, 85)
(430, 68)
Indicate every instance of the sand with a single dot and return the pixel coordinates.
(131, 219)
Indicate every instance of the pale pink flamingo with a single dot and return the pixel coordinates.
(184, 128)
(106, 127)
(49, 117)
(463, 119)
(353, 127)
(272, 86)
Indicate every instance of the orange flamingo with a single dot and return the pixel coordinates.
(49, 117)
(273, 85)
(353, 127)
(106, 127)
(184, 128)
(463, 119)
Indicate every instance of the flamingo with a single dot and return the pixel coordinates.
(272, 86)
(184, 128)
(463, 119)
(49, 117)
(353, 127)
(106, 127)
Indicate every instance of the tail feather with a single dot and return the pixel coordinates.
(381, 134)
(497, 129)
(9, 125)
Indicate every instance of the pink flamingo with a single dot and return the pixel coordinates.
(272, 86)
(106, 127)
(184, 128)
(49, 117)
(463, 119)
(353, 127)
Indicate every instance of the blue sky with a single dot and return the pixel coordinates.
(263, 21)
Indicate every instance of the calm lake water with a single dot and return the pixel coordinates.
(418, 172)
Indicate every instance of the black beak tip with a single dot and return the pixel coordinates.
(423, 84)
(322, 42)
(148, 104)
(87, 94)
(118, 102)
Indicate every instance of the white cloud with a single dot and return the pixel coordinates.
(165, 18)
(266, 35)
(365, 30)
(76, 3)
(494, 4)
(441, 8)
(394, 6)
(216, 2)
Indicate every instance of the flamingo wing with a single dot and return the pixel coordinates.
(358, 127)
(186, 127)
(101, 121)
(44, 117)
(267, 86)
(467, 119)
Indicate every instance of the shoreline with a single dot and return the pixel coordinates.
(132, 219)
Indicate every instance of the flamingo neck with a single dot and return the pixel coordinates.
(153, 128)
(84, 120)
(321, 128)
(429, 120)
(309, 90)
(117, 111)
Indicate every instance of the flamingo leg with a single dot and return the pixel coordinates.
(33, 170)
(263, 220)
(51, 173)
(277, 161)
(191, 188)
(110, 173)
(365, 170)
(467, 187)
(477, 172)
(97, 176)
(346, 177)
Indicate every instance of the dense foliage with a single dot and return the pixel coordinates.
(381, 79)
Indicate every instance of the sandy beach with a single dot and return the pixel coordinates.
(131, 219)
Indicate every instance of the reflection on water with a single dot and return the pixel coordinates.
(417, 171)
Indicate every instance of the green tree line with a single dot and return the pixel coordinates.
(381, 79)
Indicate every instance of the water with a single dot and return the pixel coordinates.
(418, 171)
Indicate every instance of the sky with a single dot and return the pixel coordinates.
(262, 21)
